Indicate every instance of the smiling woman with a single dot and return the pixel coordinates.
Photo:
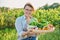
(22, 23)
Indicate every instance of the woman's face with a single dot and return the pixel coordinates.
(28, 11)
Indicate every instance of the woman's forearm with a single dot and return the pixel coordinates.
(44, 31)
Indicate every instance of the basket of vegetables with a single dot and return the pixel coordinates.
(40, 25)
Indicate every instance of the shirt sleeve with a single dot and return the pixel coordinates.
(19, 27)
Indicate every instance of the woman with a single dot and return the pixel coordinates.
(22, 23)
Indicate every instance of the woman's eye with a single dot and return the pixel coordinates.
(30, 10)
(26, 9)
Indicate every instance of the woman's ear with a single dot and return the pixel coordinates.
(33, 12)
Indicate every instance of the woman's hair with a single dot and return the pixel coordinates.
(28, 4)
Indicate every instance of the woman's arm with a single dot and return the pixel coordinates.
(50, 27)
(19, 27)
(37, 32)
(44, 31)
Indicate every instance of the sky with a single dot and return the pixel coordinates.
(21, 3)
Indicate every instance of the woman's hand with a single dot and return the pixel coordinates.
(24, 35)
(31, 32)
(51, 27)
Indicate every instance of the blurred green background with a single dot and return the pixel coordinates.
(48, 13)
